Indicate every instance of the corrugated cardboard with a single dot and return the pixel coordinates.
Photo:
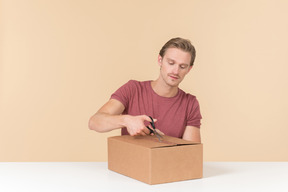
(146, 159)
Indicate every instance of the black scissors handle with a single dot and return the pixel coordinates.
(151, 131)
(154, 129)
(152, 124)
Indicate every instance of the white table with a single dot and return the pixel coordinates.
(95, 176)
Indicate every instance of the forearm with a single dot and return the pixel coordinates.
(192, 133)
(109, 118)
(103, 122)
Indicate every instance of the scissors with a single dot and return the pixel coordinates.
(154, 129)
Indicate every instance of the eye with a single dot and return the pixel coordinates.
(183, 66)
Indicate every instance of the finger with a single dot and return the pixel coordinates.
(133, 133)
(147, 118)
(142, 133)
(150, 129)
(146, 130)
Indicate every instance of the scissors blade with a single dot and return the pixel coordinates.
(158, 135)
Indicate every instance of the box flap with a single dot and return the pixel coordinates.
(150, 141)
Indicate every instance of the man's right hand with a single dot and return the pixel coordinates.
(136, 124)
(109, 118)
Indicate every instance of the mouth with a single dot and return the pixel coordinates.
(174, 77)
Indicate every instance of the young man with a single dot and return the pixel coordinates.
(175, 112)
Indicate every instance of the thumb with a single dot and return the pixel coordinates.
(147, 118)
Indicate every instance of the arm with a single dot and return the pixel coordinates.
(109, 117)
(192, 133)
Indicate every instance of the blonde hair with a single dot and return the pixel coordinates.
(180, 43)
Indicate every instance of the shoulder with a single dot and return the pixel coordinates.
(133, 82)
(187, 96)
(189, 99)
(137, 84)
(126, 92)
(130, 84)
(133, 86)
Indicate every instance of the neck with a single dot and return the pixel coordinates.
(162, 89)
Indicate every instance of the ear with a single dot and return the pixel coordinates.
(160, 60)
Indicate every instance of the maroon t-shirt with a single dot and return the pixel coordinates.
(173, 114)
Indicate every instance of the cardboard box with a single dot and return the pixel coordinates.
(146, 159)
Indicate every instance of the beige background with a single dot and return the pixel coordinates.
(62, 59)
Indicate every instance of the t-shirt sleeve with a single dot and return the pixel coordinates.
(194, 115)
(124, 93)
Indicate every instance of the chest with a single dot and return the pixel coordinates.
(170, 113)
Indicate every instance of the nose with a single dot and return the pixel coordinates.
(175, 69)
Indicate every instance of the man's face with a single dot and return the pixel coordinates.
(175, 64)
